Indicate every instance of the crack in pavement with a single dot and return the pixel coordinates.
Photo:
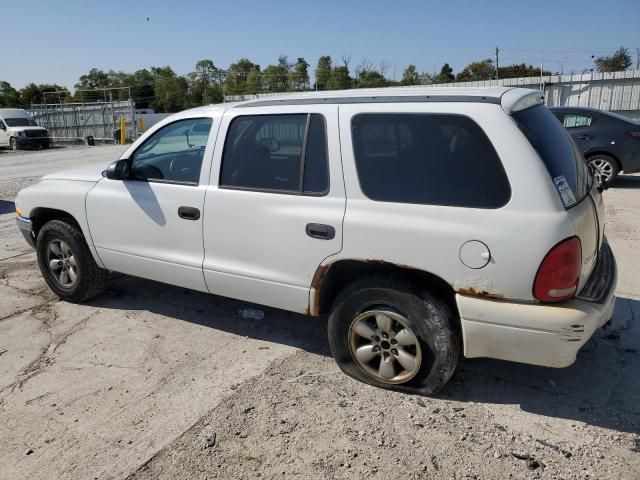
(46, 356)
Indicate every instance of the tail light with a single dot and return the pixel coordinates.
(559, 273)
(635, 134)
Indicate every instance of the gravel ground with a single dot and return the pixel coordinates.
(151, 381)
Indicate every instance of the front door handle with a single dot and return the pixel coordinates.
(189, 213)
(585, 137)
(321, 231)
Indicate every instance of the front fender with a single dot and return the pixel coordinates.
(65, 196)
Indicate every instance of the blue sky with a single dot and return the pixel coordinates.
(57, 41)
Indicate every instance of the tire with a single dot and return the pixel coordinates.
(435, 345)
(62, 242)
(604, 168)
(13, 144)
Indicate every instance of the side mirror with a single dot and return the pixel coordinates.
(2, 126)
(118, 170)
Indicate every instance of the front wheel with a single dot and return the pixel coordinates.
(13, 144)
(605, 169)
(387, 334)
(66, 263)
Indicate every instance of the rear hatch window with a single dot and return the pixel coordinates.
(560, 155)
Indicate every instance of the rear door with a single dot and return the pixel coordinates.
(275, 206)
(570, 174)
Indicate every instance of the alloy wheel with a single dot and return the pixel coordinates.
(602, 170)
(383, 345)
(62, 263)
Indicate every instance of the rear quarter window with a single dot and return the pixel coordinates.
(559, 153)
(429, 159)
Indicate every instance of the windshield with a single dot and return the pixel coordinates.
(20, 122)
(558, 151)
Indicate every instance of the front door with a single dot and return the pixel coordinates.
(150, 225)
(276, 202)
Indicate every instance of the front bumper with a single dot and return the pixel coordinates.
(33, 141)
(26, 228)
(549, 335)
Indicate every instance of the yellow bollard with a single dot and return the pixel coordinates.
(123, 131)
(142, 124)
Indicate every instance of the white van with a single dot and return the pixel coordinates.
(19, 130)
(426, 223)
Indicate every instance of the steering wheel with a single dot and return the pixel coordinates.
(183, 170)
(269, 143)
(148, 171)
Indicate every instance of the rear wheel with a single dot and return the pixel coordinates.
(604, 168)
(66, 263)
(387, 334)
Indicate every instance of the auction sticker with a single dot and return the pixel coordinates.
(565, 191)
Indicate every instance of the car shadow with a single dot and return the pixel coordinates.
(221, 313)
(601, 388)
(7, 206)
(626, 181)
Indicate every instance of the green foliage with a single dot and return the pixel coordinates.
(410, 76)
(482, 70)
(237, 74)
(445, 76)
(276, 77)
(9, 96)
(340, 79)
(299, 75)
(619, 61)
(170, 90)
(323, 72)
(371, 79)
(521, 70)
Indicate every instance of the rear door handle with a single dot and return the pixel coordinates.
(189, 213)
(585, 137)
(321, 231)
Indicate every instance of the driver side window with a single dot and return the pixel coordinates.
(174, 153)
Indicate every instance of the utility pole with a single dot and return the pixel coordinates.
(497, 64)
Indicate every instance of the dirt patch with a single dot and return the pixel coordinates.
(304, 419)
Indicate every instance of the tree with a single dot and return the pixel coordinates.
(9, 96)
(170, 90)
(340, 79)
(299, 75)
(619, 61)
(483, 70)
(445, 76)
(94, 79)
(237, 73)
(254, 82)
(521, 70)
(33, 94)
(323, 72)
(276, 77)
(410, 76)
(203, 85)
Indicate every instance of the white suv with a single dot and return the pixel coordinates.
(426, 222)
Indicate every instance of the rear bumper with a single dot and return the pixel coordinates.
(549, 335)
(26, 228)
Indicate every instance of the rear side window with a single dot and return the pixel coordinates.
(576, 121)
(278, 153)
(560, 155)
(429, 159)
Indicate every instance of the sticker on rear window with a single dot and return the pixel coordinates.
(565, 191)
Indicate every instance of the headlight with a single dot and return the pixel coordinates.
(20, 134)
